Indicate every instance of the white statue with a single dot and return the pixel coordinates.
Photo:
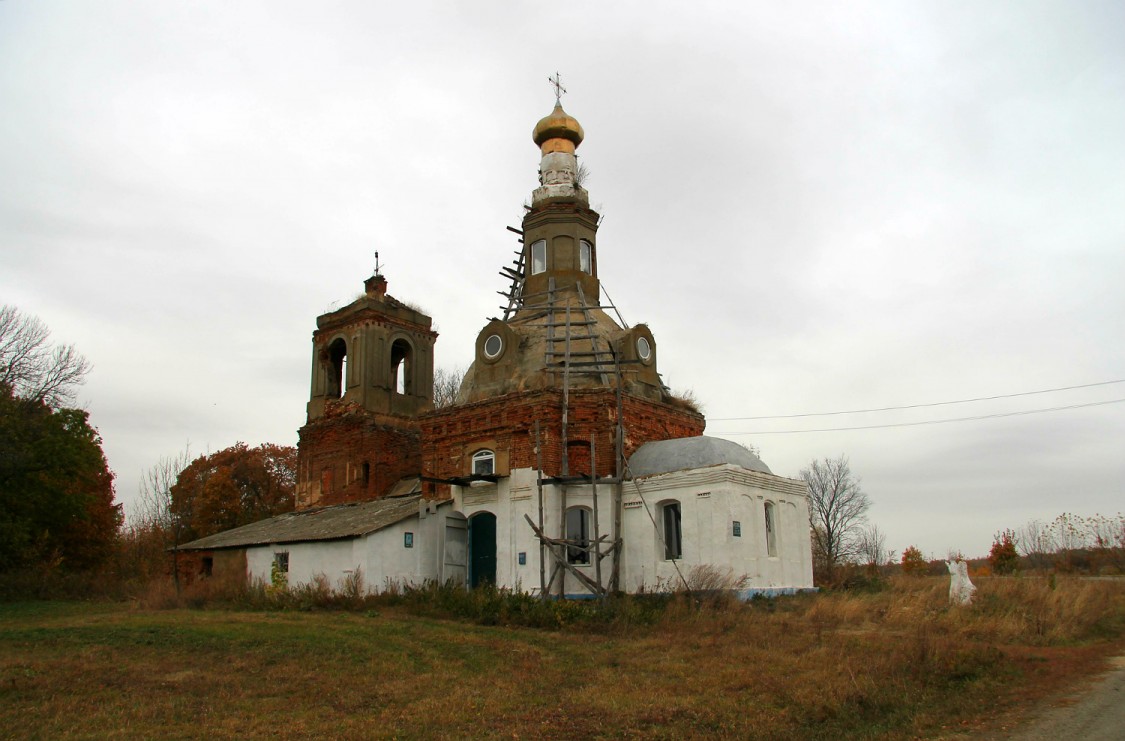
(960, 588)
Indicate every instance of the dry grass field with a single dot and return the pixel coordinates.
(892, 664)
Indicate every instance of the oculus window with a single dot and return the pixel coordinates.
(538, 257)
(673, 536)
(644, 349)
(484, 463)
(578, 535)
(493, 346)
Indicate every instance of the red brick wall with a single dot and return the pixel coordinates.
(507, 424)
(333, 449)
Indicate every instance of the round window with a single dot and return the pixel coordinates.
(644, 350)
(493, 346)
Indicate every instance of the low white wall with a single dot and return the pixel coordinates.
(381, 556)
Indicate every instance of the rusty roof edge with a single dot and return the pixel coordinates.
(397, 509)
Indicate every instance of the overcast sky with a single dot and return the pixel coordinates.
(816, 207)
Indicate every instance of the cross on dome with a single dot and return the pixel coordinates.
(556, 83)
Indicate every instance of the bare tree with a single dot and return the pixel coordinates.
(1036, 541)
(153, 508)
(447, 384)
(31, 366)
(872, 548)
(837, 511)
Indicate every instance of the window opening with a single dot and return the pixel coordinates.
(538, 257)
(401, 367)
(737, 529)
(484, 463)
(366, 473)
(673, 536)
(207, 567)
(771, 526)
(578, 533)
(493, 346)
(644, 349)
(279, 570)
(337, 368)
(585, 257)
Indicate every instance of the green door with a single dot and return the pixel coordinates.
(482, 549)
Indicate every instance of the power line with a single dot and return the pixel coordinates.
(919, 406)
(931, 421)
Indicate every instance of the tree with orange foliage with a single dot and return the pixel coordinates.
(1003, 557)
(913, 562)
(233, 487)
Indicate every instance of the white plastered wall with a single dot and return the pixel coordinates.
(711, 501)
(381, 556)
(517, 495)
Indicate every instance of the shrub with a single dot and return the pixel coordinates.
(1003, 557)
(913, 562)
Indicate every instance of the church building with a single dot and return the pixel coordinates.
(564, 467)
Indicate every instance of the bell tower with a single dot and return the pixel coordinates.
(376, 352)
(372, 376)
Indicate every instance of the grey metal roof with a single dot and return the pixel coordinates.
(323, 523)
(686, 453)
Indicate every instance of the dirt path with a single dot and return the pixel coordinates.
(1094, 712)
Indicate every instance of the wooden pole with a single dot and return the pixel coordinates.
(539, 481)
(565, 448)
(618, 491)
(597, 550)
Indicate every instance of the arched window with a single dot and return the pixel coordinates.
(585, 257)
(484, 463)
(402, 361)
(673, 535)
(771, 529)
(337, 368)
(578, 535)
(538, 257)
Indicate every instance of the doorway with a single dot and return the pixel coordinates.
(482, 549)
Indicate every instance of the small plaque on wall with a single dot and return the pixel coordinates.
(408, 540)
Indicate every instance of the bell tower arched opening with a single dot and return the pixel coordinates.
(337, 362)
(402, 367)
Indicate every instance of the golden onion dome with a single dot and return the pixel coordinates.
(558, 125)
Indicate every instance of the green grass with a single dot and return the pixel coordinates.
(894, 664)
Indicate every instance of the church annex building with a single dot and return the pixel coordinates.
(564, 468)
